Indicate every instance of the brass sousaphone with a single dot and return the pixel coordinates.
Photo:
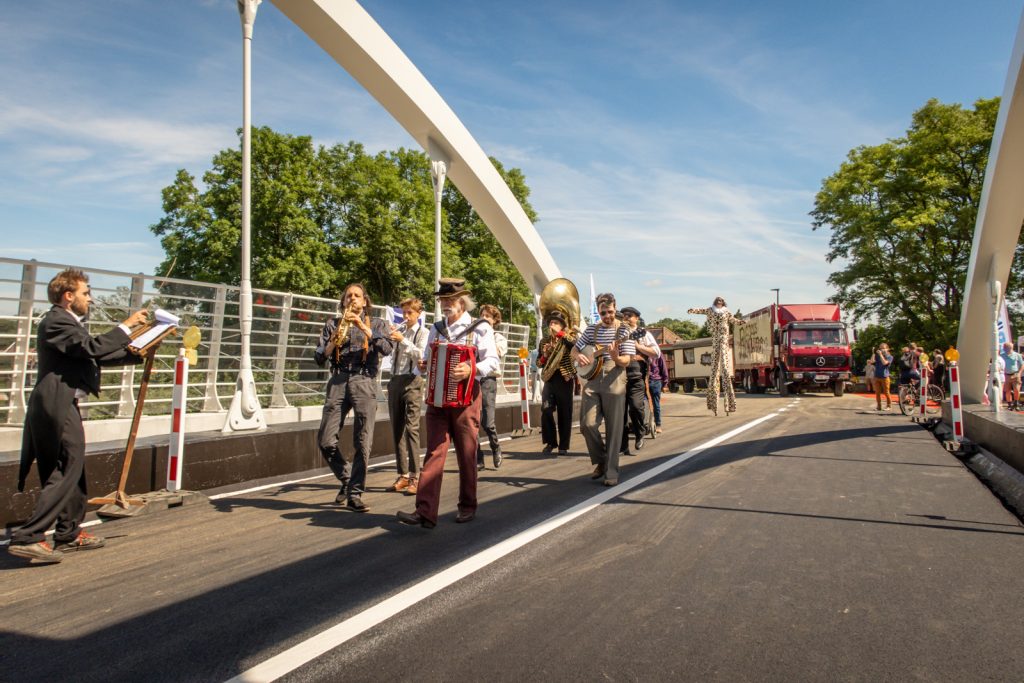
(560, 295)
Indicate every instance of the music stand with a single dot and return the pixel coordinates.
(152, 337)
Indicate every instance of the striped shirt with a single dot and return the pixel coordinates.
(605, 336)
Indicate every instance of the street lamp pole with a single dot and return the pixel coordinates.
(245, 413)
(776, 290)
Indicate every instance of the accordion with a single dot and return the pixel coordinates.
(443, 391)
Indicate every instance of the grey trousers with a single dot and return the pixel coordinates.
(488, 396)
(357, 393)
(604, 400)
(405, 397)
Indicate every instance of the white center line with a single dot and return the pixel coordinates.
(310, 649)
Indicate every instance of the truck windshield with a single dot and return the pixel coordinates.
(830, 337)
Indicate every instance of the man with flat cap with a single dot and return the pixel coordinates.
(636, 378)
(458, 424)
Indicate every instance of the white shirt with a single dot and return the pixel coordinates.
(409, 351)
(501, 344)
(487, 360)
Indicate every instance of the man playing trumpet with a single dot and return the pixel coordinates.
(354, 345)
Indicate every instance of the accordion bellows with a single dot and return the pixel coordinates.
(443, 391)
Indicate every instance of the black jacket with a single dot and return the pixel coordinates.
(68, 358)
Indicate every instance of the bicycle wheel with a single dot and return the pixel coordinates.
(935, 398)
(908, 400)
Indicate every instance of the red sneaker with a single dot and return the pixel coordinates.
(85, 541)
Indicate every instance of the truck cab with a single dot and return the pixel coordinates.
(815, 355)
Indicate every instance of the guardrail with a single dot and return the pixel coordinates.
(285, 330)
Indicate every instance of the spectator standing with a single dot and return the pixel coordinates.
(882, 360)
(1013, 364)
(869, 374)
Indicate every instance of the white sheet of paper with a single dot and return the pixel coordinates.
(164, 320)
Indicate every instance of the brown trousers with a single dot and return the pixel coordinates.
(444, 426)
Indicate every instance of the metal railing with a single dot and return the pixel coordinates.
(285, 330)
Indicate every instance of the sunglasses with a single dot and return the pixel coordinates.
(607, 313)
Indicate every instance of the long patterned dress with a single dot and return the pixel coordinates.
(720, 380)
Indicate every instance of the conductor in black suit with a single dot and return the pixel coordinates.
(68, 370)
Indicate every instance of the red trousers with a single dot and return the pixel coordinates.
(446, 425)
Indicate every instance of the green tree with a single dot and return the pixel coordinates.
(902, 217)
(326, 216)
(686, 329)
(484, 264)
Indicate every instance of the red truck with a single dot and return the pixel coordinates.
(792, 347)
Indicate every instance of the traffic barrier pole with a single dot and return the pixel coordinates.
(924, 394)
(176, 451)
(954, 402)
(524, 402)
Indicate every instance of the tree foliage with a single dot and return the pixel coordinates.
(326, 216)
(686, 329)
(902, 217)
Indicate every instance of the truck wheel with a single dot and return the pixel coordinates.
(838, 387)
(688, 386)
(673, 388)
(780, 384)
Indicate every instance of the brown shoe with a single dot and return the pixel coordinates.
(464, 517)
(85, 541)
(411, 488)
(40, 553)
(611, 482)
(414, 519)
(598, 472)
(401, 484)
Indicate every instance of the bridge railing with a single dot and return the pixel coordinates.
(285, 330)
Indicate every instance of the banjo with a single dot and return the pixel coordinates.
(594, 353)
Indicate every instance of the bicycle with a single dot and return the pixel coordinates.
(909, 397)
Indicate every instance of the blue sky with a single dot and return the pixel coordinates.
(673, 149)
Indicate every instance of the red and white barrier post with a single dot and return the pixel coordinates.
(524, 401)
(954, 402)
(924, 395)
(176, 452)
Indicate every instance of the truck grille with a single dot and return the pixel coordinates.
(820, 362)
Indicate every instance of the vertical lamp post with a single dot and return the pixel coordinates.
(439, 160)
(438, 169)
(776, 290)
(245, 412)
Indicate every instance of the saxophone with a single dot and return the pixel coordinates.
(342, 332)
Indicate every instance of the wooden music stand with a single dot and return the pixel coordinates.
(118, 497)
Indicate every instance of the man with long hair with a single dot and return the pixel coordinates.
(354, 345)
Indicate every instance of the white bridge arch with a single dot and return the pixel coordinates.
(356, 42)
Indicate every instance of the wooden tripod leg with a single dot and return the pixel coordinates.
(118, 497)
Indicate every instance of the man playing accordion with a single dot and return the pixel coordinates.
(460, 351)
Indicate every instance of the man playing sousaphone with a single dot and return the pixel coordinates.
(554, 357)
(354, 346)
(604, 395)
(460, 351)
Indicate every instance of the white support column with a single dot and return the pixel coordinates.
(211, 399)
(126, 404)
(245, 412)
(438, 171)
(997, 230)
(22, 345)
(278, 399)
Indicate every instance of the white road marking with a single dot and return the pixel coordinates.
(310, 649)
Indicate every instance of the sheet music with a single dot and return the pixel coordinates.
(162, 321)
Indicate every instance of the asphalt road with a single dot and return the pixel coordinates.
(823, 543)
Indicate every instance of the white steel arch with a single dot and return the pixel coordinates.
(356, 42)
(996, 232)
